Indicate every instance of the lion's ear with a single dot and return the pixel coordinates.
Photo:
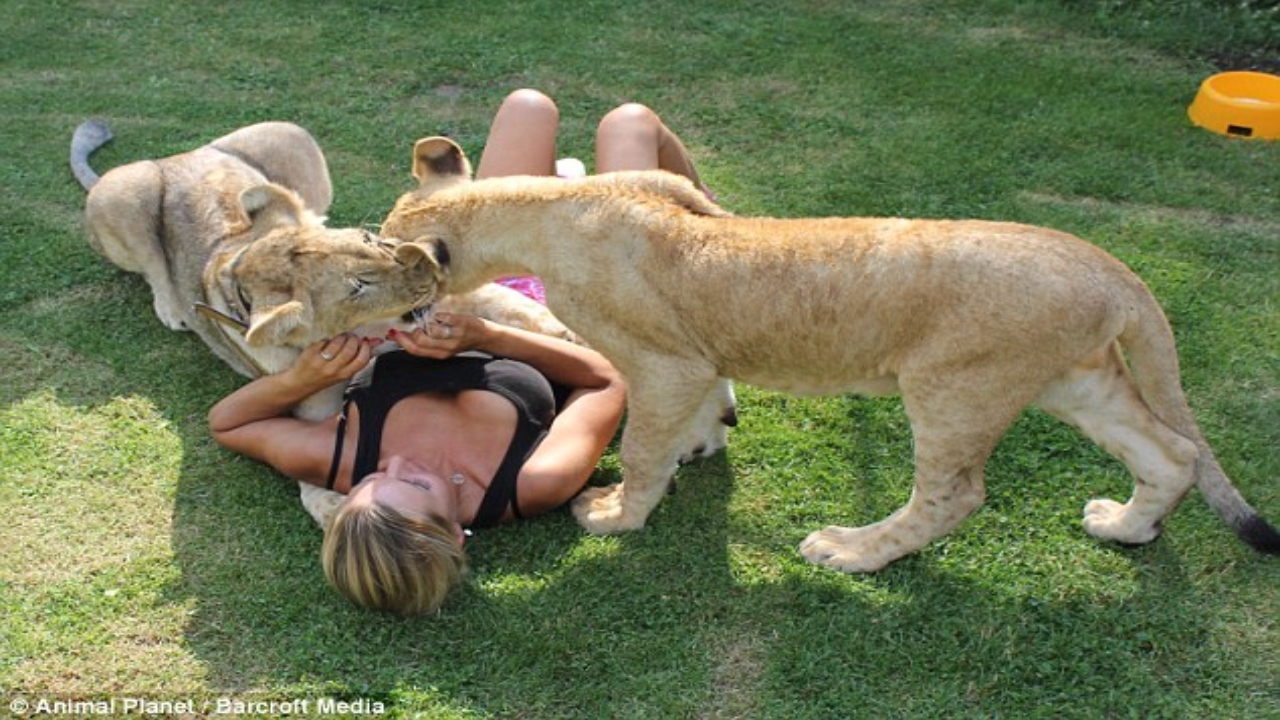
(272, 325)
(438, 158)
(432, 251)
(270, 206)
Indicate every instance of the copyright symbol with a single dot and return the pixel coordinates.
(19, 706)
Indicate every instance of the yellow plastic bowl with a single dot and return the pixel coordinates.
(1240, 104)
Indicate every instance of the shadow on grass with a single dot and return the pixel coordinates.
(918, 638)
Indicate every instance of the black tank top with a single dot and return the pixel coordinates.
(397, 375)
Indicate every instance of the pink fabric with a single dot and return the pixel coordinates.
(527, 285)
(531, 287)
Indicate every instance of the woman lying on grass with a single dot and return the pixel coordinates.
(469, 424)
(438, 438)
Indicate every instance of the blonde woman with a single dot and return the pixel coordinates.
(470, 424)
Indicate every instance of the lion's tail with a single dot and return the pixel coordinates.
(1154, 361)
(91, 135)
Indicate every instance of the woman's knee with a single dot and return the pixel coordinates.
(530, 105)
(522, 138)
(630, 119)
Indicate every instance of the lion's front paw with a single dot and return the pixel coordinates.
(1109, 520)
(171, 318)
(602, 510)
(851, 550)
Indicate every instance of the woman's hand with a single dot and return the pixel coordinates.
(559, 360)
(334, 359)
(445, 336)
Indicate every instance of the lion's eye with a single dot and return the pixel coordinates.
(358, 286)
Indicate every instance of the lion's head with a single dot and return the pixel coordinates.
(296, 281)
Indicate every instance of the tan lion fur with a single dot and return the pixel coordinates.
(971, 321)
(237, 225)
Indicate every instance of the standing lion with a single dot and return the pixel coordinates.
(970, 321)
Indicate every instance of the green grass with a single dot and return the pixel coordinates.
(137, 558)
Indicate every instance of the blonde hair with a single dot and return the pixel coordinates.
(382, 559)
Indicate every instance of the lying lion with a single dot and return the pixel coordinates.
(230, 238)
(970, 321)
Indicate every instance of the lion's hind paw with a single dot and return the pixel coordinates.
(851, 550)
(1109, 520)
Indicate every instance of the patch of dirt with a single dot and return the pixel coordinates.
(1267, 61)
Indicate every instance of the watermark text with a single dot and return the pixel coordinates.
(34, 706)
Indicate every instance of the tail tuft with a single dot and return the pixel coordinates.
(91, 135)
(1259, 535)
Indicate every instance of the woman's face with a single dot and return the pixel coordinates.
(411, 489)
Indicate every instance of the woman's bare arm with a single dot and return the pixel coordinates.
(255, 420)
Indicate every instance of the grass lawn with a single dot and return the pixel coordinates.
(139, 560)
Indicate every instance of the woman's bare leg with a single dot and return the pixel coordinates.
(633, 137)
(522, 138)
